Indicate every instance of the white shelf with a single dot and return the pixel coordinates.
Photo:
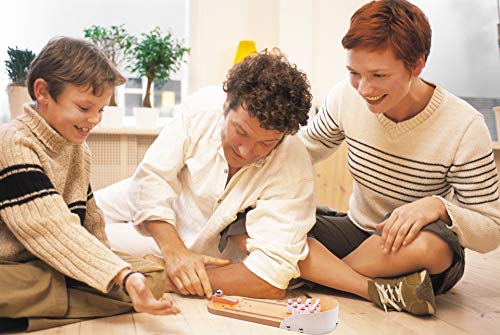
(129, 128)
(126, 131)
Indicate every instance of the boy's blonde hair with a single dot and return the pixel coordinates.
(70, 60)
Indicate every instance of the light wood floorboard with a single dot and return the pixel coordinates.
(472, 307)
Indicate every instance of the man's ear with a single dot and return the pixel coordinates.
(226, 103)
(419, 67)
(41, 90)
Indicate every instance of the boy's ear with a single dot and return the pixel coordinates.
(41, 90)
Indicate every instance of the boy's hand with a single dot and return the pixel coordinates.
(405, 222)
(143, 299)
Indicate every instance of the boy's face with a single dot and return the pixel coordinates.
(244, 141)
(76, 111)
(382, 81)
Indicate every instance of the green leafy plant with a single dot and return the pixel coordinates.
(157, 57)
(114, 42)
(18, 65)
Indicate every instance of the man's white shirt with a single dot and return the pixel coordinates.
(182, 181)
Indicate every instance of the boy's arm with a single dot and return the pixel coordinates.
(38, 217)
(94, 219)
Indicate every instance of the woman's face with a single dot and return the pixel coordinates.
(382, 81)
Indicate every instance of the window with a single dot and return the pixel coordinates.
(70, 18)
(164, 95)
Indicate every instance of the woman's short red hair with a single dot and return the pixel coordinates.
(396, 24)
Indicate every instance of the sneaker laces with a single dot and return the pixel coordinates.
(391, 295)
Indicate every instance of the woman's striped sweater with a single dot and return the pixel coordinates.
(443, 151)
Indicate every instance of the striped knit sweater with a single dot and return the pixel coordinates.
(47, 209)
(444, 151)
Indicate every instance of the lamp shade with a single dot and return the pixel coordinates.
(245, 48)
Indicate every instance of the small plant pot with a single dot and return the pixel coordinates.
(18, 96)
(146, 117)
(112, 117)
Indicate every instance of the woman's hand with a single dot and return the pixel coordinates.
(405, 222)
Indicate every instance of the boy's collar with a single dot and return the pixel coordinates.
(42, 130)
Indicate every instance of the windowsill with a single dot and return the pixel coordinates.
(127, 131)
(129, 128)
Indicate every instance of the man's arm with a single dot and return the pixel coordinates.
(229, 278)
(179, 261)
(185, 269)
(276, 229)
(236, 279)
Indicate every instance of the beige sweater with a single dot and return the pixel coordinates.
(444, 151)
(47, 209)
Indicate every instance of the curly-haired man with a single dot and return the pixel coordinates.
(225, 169)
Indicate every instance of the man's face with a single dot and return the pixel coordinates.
(382, 81)
(76, 111)
(243, 139)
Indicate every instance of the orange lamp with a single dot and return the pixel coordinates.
(245, 48)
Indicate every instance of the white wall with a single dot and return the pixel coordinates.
(309, 32)
(331, 21)
(216, 27)
(464, 55)
(295, 33)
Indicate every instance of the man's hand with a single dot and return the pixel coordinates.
(186, 270)
(143, 299)
(405, 222)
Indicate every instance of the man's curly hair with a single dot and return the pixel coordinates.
(270, 89)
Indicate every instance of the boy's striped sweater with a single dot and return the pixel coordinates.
(47, 209)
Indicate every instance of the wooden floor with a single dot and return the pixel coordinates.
(472, 307)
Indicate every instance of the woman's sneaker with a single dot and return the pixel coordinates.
(412, 293)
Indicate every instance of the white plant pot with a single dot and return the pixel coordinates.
(146, 117)
(18, 96)
(496, 110)
(112, 117)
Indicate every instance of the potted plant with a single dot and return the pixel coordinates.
(156, 57)
(115, 43)
(17, 65)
